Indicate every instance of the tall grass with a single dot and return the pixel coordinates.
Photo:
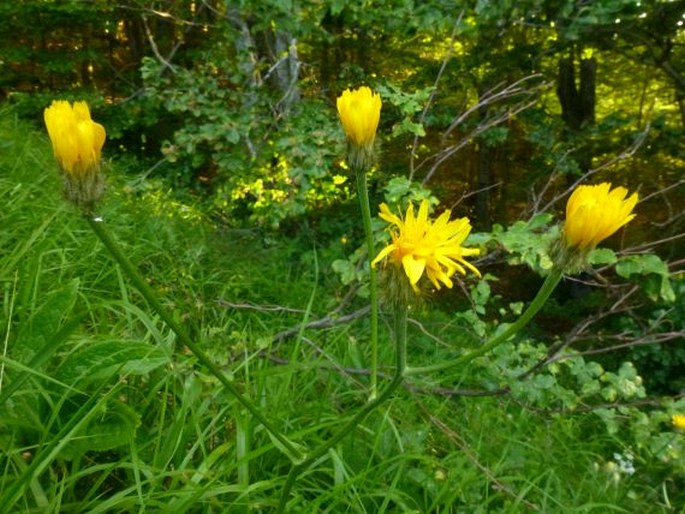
(101, 410)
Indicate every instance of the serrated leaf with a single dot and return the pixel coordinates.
(645, 265)
(642, 265)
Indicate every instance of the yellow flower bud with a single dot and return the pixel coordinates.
(594, 213)
(77, 143)
(76, 139)
(360, 112)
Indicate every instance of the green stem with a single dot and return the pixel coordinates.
(400, 364)
(101, 231)
(543, 294)
(363, 195)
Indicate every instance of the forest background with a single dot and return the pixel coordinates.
(228, 188)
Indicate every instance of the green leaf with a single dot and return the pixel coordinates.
(603, 256)
(102, 360)
(46, 320)
(526, 243)
(480, 295)
(113, 427)
(401, 190)
(648, 265)
(539, 221)
(641, 265)
(345, 269)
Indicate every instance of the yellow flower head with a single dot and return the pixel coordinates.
(678, 421)
(77, 142)
(593, 213)
(76, 139)
(420, 245)
(360, 112)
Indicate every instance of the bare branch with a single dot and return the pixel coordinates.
(422, 117)
(166, 61)
(625, 154)
(497, 94)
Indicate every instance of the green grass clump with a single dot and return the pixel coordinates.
(102, 410)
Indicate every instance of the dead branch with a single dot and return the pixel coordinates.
(625, 154)
(496, 95)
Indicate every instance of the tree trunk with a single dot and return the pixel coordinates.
(578, 100)
(274, 52)
(279, 50)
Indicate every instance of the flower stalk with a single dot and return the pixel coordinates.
(77, 143)
(593, 213)
(139, 283)
(359, 112)
(543, 294)
(400, 324)
(363, 195)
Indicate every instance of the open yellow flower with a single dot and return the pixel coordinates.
(593, 213)
(360, 112)
(420, 245)
(76, 139)
(678, 421)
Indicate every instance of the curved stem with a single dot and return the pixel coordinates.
(400, 364)
(363, 195)
(543, 294)
(132, 272)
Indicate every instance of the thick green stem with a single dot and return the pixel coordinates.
(400, 364)
(543, 294)
(132, 272)
(363, 195)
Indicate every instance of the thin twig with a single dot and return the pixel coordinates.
(259, 308)
(325, 322)
(473, 456)
(434, 92)
(498, 93)
(625, 154)
(166, 61)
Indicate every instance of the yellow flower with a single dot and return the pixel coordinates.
(360, 112)
(420, 245)
(593, 213)
(678, 421)
(77, 142)
(76, 139)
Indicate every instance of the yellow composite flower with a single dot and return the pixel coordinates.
(420, 245)
(360, 112)
(678, 421)
(593, 213)
(76, 139)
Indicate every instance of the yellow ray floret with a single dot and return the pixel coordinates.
(420, 245)
(360, 112)
(76, 139)
(593, 213)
